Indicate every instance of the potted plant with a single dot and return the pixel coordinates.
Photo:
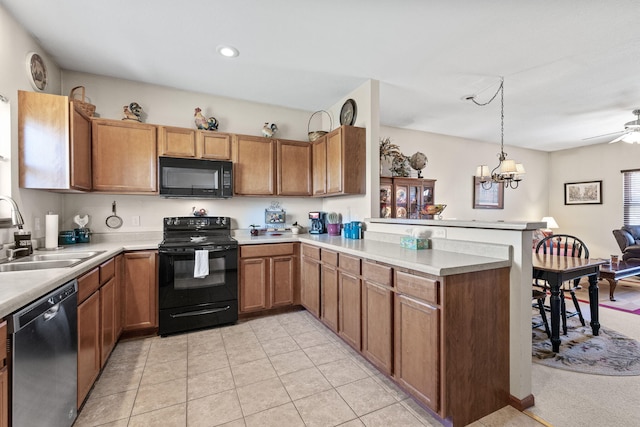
(333, 224)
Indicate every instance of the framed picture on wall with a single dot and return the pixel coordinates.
(583, 193)
(483, 198)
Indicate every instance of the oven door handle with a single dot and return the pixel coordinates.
(190, 250)
(200, 312)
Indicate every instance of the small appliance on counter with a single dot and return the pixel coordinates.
(318, 222)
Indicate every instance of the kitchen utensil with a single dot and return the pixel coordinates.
(82, 221)
(113, 220)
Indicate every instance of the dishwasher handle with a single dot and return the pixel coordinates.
(51, 313)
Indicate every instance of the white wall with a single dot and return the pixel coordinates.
(453, 162)
(592, 223)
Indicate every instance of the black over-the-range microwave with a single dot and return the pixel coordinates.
(179, 177)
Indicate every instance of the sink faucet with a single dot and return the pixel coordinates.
(12, 253)
(16, 216)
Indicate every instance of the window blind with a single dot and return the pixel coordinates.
(631, 196)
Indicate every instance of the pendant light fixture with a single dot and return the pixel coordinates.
(508, 172)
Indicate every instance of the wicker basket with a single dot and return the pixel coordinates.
(319, 133)
(87, 108)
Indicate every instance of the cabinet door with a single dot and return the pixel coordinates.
(253, 284)
(88, 345)
(80, 149)
(282, 280)
(346, 160)
(294, 168)
(417, 349)
(108, 319)
(311, 285)
(140, 291)
(329, 303)
(124, 157)
(213, 145)
(176, 142)
(401, 200)
(254, 166)
(119, 292)
(4, 397)
(334, 162)
(350, 302)
(319, 155)
(377, 325)
(386, 198)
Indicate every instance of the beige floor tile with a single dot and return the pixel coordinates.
(245, 353)
(324, 409)
(353, 423)
(119, 423)
(325, 353)
(155, 396)
(262, 395)
(116, 381)
(304, 383)
(236, 423)
(208, 341)
(173, 342)
(270, 333)
(210, 382)
(394, 415)
(310, 339)
(391, 387)
(214, 410)
(171, 416)
(164, 355)
(280, 345)
(420, 413)
(252, 372)
(365, 396)
(240, 339)
(203, 362)
(286, 363)
(102, 410)
(299, 327)
(281, 416)
(162, 372)
(342, 372)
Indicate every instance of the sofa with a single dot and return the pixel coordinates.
(628, 238)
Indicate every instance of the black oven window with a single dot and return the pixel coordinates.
(183, 274)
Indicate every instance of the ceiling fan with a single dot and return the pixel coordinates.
(630, 134)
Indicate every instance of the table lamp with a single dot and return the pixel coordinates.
(551, 223)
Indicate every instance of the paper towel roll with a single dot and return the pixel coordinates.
(51, 231)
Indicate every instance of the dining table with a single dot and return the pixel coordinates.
(556, 269)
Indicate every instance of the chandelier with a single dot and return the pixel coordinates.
(508, 172)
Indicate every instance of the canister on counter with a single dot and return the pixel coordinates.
(67, 237)
(83, 235)
(22, 239)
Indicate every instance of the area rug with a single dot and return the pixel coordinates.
(627, 294)
(609, 353)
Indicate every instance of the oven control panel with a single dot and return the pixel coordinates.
(196, 222)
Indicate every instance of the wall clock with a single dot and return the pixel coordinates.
(36, 71)
(348, 112)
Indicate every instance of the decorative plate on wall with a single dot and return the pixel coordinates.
(36, 71)
(348, 112)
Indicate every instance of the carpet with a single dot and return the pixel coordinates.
(609, 353)
(627, 294)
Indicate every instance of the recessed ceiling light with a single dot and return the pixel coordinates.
(228, 51)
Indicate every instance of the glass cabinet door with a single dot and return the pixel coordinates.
(414, 201)
(402, 192)
(386, 199)
(426, 198)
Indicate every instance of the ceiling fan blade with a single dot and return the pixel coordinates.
(619, 138)
(606, 134)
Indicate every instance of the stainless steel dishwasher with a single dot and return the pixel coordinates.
(44, 355)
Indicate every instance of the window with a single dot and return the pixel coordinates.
(631, 196)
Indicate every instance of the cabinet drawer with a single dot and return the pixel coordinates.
(3, 343)
(88, 284)
(251, 251)
(377, 273)
(417, 286)
(329, 257)
(107, 271)
(350, 264)
(311, 251)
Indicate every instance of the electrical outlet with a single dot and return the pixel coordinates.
(135, 220)
(36, 224)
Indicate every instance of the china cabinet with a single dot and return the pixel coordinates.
(406, 197)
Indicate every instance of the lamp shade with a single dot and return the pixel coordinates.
(551, 222)
(508, 166)
(482, 171)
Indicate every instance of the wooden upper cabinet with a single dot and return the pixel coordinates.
(319, 155)
(254, 166)
(125, 157)
(294, 168)
(345, 161)
(54, 139)
(192, 143)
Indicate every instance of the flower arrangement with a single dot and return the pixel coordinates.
(391, 151)
(388, 149)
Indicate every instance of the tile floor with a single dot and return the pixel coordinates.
(283, 370)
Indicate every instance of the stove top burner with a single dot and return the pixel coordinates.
(197, 232)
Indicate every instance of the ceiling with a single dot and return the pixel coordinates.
(571, 68)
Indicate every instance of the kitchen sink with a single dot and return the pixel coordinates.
(43, 261)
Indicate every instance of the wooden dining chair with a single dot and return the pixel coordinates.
(561, 245)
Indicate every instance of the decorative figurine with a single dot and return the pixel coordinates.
(269, 129)
(204, 123)
(198, 212)
(132, 112)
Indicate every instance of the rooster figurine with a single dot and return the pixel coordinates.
(128, 114)
(269, 129)
(203, 123)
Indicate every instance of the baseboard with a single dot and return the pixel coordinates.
(521, 404)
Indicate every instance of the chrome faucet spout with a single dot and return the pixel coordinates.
(12, 253)
(16, 216)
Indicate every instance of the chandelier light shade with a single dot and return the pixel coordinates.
(507, 172)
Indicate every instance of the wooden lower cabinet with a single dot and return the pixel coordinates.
(350, 303)
(88, 344)
(377, 325)
(267, 276)
(108, 335)
(329, 288)
(310, 279)
(140, 296)
(119, 276)
(4, 377)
